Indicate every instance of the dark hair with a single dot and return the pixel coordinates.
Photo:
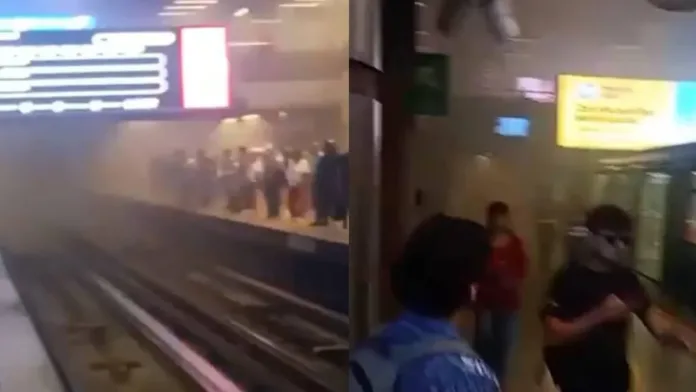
(608, 217)
(442, 258)
(495, 210)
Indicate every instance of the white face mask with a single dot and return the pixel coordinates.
(615, 252)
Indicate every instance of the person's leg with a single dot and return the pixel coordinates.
(322, 209)
(507, 331)
(273, 200)
(483, 337)
(293, 201)
(578, 380)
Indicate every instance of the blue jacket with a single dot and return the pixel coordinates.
(439, 372)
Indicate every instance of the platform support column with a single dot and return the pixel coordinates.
(381, 69)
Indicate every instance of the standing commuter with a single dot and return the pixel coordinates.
(227, 168)
(435, 282)
(204, 182)
(326, 184)
(589, 306)
(273, 181)
(500, 292)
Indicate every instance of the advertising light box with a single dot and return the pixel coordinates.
(98, 71)
(624, 114)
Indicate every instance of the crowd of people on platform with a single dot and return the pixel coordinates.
(308, 184)
(451, 268)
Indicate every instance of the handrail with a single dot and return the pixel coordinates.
(208, 377)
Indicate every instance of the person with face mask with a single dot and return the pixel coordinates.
(589, 306)
(500, 291)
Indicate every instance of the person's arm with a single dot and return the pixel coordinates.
(668, 330)
(560, 327)
(558, 331)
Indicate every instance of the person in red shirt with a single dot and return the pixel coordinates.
(500, 291)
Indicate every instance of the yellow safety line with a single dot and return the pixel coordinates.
(637, 384)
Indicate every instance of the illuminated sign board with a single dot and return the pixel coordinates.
(624, 114)
(512, 126)
(536, 89)
(79, 22)
(97, 71)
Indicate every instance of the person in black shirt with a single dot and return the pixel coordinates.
(589, 306)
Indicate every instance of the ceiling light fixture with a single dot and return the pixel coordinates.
(196, 2)
(173, 13)
(241, 12)
(247, 44)
(298, 5)
(420, 4)
(185, 7)
(250, 117)
(266, 21)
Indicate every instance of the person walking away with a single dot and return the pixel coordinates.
(245, 198)
(174, 175)
(298, 174)
(325, 184)
(589, 306)
(500, 292)
(273, 182)
(421, 350)
(256, 174)
(227, 169)
(204, 179)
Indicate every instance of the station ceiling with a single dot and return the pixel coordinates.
(271, 40)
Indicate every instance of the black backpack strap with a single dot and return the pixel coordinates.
(360, 377)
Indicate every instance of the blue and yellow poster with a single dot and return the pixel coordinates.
(624, 114)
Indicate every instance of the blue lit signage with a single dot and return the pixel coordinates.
(79, 22)
(512, 126)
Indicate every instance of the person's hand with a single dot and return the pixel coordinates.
(613, 308)
(672, 333)
(674, 342)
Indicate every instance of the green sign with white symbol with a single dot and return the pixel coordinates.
(430, 96)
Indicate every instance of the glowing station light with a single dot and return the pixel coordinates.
(79, 22)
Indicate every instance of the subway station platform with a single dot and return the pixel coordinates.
(24, 363)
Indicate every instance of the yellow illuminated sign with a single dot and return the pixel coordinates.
(616, 114)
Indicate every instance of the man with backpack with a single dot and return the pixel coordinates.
(421, 350)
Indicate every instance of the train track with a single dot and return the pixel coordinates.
(91, 341)
(262, 337)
